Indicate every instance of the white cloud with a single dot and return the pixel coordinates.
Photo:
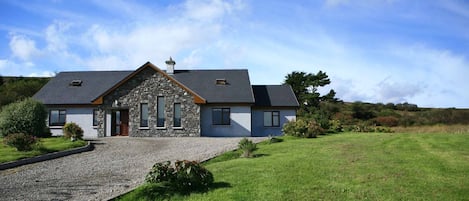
(394, 92)
(3, 64)
(55, 36)
(42, 74)
(23, 47)
(208, 10)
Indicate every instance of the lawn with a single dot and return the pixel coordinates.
(48, 145)
(349, 166)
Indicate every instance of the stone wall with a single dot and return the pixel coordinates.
(145, 87)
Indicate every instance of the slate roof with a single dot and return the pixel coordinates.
(237, 89)
(203, 82)
(58, 91)
(274, 96)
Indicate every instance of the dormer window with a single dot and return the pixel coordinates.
(221, 82)
(76, 83)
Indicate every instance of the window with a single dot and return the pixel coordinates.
(95, 117)
(272, 119)
(177, 115)
(221, 116)
(160, 115)
(221, 82)
(57, 117)
(143, 114)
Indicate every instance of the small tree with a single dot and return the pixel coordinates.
(27, 116)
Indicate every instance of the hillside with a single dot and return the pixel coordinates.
(17, 88)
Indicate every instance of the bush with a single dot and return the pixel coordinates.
(27, 116)
(303, 128)
(72, 130)
(388, 121)
(247, 146)
(160, 172)
(21, 141)
(185, 176)
(190, 175)
(336, 126)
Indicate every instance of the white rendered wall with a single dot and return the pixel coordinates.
(81, 116)
(240, 122)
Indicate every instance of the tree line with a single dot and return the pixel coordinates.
(14, 89)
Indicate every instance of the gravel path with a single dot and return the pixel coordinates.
(115, 166)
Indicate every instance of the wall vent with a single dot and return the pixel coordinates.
(76, 83)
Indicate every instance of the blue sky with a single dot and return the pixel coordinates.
(373, 50)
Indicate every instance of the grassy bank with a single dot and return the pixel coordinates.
(47, 145)
(346, 166)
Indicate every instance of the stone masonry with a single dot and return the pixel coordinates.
(145, 87)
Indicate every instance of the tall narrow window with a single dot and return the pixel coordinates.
(272, 119)
(221, 116)
(143, 114)
(57, 117)
(177, 115)
(160, 112)
(95, 117)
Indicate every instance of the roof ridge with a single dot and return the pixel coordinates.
(95, 71)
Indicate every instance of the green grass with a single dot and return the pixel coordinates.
(346, 166)
(47, 145)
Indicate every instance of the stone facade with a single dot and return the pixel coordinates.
(145, 87)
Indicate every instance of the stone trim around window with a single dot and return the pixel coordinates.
(144, 115)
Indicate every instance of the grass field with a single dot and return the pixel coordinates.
(48, 145)
(347, 166)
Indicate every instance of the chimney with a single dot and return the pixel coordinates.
(170, 66)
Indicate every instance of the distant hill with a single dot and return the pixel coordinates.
(13, 89)
(402, 114)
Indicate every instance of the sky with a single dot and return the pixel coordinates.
(379, 51)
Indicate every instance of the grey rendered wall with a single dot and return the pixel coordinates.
(81, 116)
(258, 128)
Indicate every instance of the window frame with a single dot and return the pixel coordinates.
(159, 112)
(95, 117)
(273, 115)
(225, 112)
(175, 119)
(60, 112)
(142, 122)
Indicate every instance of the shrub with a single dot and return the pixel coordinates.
(72, 130)
(336, 126)
(190, 175)
(160, 172)
(247, 146)
(21, 141)
(185, 176)
(27, 116)
(389, 121)
(303, 128)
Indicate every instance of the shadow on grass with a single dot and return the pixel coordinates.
(159, 191)
(259, 155)
(275, 140)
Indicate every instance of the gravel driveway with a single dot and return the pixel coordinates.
(116, 165)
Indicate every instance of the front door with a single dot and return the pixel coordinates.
(124, 123)
(120, 123)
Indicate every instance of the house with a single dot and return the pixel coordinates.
(153, 102)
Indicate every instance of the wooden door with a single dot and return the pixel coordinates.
(124, 126)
